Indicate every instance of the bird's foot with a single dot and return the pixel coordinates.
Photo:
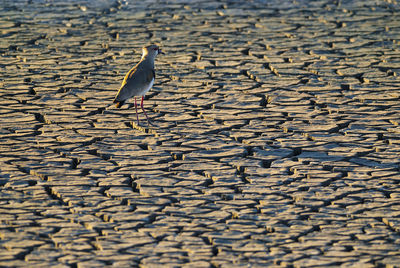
(150, 123)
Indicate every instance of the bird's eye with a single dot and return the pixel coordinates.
(155, 49)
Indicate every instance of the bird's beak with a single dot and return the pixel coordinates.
(160, 52)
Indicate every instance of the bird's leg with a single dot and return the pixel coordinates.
(137, 116)
(141, 105)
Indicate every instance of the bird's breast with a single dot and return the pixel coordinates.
(147, 87)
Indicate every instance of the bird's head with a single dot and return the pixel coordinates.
(152, 51)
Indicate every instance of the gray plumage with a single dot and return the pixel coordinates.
(139, 80)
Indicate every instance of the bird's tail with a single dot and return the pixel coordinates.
(119, 103)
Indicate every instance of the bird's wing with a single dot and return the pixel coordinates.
(139, 77)
(127, 79)
(134, 82)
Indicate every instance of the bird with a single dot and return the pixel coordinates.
(139, 80)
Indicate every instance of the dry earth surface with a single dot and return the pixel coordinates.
(276, 140)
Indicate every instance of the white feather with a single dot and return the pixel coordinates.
(146, 89)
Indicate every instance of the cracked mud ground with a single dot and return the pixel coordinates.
(277, 138)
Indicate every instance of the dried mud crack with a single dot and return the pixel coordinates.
(276, 138)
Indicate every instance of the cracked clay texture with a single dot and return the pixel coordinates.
(276, 141)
